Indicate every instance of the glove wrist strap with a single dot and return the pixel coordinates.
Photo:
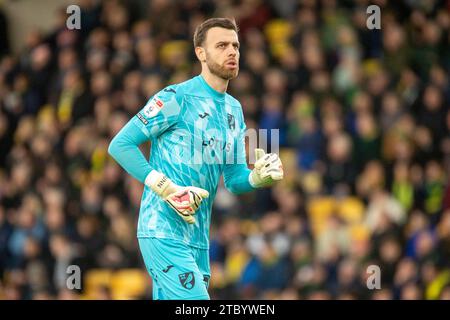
(251, 180)
(158, 182)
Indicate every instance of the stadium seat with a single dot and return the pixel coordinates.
(235, 264)
(96, 278)
(351, 210)
(129, 284)
(278, 32)
(319, 209)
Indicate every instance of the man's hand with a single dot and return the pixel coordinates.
(184, 200)
(268, 169)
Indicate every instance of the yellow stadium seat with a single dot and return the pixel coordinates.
(351, 210)
(95, 279)
(172, 51)
(235, 264)
(278, 30)
(277, 33)
(129, 284)
(359, 232)
(319, 209)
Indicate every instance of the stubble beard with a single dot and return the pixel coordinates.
(220, 71)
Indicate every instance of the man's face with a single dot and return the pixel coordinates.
(222, 52)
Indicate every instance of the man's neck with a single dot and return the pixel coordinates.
(215, 82)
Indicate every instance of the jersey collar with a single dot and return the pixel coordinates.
(210, 89)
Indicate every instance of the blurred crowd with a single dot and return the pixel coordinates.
(364, 124)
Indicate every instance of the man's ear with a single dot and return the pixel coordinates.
(200, 53)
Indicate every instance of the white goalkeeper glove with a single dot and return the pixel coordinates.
(184, 200)
(268, 169)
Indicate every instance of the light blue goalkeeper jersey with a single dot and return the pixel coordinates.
(197, 134)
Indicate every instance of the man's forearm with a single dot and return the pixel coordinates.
(124, 148)
(236, 179)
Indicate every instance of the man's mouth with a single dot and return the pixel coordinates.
(231, 64)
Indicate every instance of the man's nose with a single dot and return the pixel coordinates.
(232, 52)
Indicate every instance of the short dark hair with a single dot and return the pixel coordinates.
(201, 30)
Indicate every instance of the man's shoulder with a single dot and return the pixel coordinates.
(177, 90)
(191, 87)
(180, 89)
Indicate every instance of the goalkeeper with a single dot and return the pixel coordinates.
(183, 121)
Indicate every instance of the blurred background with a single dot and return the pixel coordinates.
(364, 137)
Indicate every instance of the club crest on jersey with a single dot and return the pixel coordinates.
(231, 122)
(187, 279)
(153, 107)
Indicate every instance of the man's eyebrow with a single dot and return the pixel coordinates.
(228, 42)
